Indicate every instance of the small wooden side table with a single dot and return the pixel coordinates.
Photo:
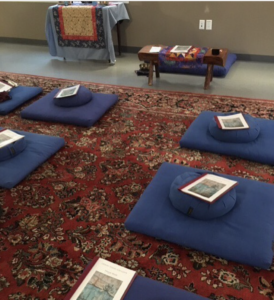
(211, 60)
(153, 58)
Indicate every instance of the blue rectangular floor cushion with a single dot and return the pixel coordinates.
(19, 95)
(38, 149)
(245, 234)
(143, 288)
(147, 289)
(84, 115)
(260, 149)
(218, 71)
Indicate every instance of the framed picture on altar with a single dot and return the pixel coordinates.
(180, 49)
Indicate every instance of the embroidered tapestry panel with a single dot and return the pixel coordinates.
(192, 59)
(79, 26)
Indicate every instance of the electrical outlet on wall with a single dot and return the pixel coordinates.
(208, 24)
(202, 24)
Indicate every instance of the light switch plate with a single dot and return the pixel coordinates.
(208, 24)
(202, 24)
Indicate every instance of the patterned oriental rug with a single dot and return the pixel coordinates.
(73, 207)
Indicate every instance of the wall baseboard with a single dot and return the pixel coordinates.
(129, 49)
(254, 57)
(24, 41)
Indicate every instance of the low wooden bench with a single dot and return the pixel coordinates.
(209, 59)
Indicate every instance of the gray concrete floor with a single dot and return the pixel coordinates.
(245, 79)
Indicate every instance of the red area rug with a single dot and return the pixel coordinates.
(73, 207)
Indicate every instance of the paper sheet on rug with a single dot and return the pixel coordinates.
(103, 280)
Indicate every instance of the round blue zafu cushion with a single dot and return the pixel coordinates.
(13, 149)
(196, 208)
(82, 97)
(238, 135)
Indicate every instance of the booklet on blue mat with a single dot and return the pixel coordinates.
(231, 122)
(208, 187)
(68, 92)
(8, 137)
(4, 87)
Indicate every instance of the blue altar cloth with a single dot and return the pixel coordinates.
(111, 16)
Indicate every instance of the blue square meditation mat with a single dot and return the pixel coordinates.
(218, 71)
(260, 150)
(19, 95)
(141, 288)
(85, 115)
(147, 289)
(245, 234)
(38, 149)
